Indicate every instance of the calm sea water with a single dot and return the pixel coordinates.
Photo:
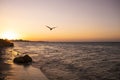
(74, 61)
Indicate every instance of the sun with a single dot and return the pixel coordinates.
(9, 35)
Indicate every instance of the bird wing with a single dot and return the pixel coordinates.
(53, 27)
(48, 27)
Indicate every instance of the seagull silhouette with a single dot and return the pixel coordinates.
(51, 28)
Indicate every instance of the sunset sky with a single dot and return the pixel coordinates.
(76, 20)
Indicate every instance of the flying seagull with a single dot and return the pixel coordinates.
(51, 28)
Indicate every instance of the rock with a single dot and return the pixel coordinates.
(24, 59)
(6, 43)
(27, 58)
(11, 44)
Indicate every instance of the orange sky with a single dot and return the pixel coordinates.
(76, 20)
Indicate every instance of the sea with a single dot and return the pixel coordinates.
(73, 60)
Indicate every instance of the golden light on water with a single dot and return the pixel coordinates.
(10, 35)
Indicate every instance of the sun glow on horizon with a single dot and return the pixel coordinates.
(75, 20)
(9, 35)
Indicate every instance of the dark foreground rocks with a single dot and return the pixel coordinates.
(23, 60)
(6, 43)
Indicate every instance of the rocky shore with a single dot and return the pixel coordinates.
(5, 43)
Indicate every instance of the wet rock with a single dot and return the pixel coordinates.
(24, 59)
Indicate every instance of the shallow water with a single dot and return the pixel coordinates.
(25, 73)
(11, 71)
(74, 61)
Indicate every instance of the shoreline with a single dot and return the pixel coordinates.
(92, 63)
(12, 71)
(20, 72)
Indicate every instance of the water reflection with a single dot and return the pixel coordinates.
(11, 71)
(5, 62)
(8, 69)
